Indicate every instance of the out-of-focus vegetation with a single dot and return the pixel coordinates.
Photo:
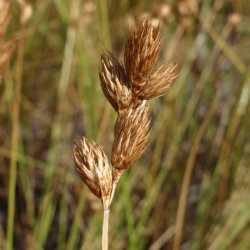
(190, 189)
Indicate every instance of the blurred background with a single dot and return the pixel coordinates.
(191, 188)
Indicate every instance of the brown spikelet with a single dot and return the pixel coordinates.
(93, 166)
(114, 82)
(131, 136)
(158, 82)
(141, 51)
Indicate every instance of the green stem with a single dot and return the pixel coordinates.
(14, 146)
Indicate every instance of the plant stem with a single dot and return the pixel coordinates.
(115, 182)
(106, 211)
(14, 147)
(182, 205)
(105, 229)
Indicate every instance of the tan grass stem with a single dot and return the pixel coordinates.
(116, 178)
(105, 229)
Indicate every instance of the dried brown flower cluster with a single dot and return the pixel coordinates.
(93, 166)
(127, 86)
(6, 47)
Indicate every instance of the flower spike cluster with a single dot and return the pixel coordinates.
(130, 135)
(114, 82)
(128, 86)
(93, 166)
(141, 52)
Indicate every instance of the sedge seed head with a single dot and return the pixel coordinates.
(141, 51)
(131, 135)
(114, 82)
(93, 166)
(159, 82)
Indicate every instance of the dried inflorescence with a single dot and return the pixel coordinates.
(114, 82)
(158, 82)
(127, 86)
(93, 166)
(131, 136)
(141, 51)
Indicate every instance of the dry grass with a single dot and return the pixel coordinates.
(187, 188)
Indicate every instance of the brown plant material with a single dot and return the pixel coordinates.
(141, 51)
(127, 87)
(114, 82)
(4, 16)
(131, 136)
(140, 56)
(6, 48)
(93, 166)
(159, 82)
